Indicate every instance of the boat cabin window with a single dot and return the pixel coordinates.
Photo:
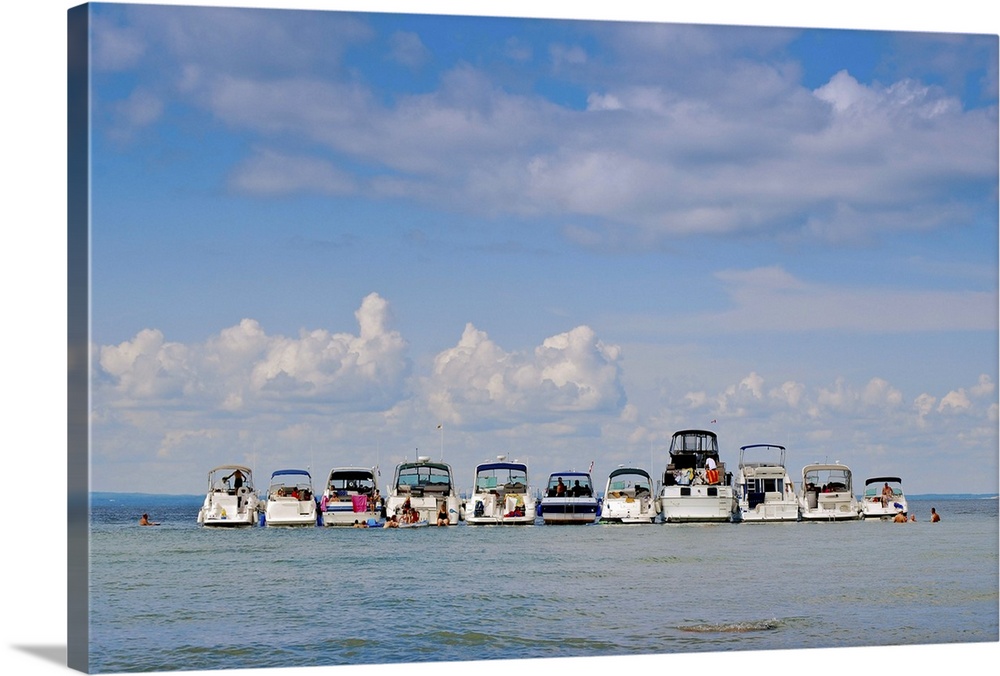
(424, 476)
(507, 478)
(767, 485)
(570, 486)
(833, 480)
(344, 483)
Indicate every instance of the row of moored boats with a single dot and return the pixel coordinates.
(695, 487)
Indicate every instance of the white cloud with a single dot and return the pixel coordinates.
(407, 49)
(478, 383)
(244, 368)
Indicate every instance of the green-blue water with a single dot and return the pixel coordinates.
(179, 596)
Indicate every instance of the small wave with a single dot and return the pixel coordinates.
(734, 627)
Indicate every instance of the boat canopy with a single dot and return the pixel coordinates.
(423, 474)
(883, 479)
(775, 455)
(628, 470)
(282, 472)
(245, 470)
(699, 442)
(501, 465)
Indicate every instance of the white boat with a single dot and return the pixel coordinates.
(350, 497)
(501, 495)
(628, 497)
(826, 494)
(424, 485)
(696, 487)
(290, 499)
(569, 499)
(764, 491)
(883, 498)
(231, 500)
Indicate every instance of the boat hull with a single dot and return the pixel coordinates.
(697, 504)
(565, 511)
(221, 509)
(284, 511)
(628, 510)
(875, 510)
(766, 512)
(488, 509)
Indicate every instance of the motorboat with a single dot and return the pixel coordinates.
(290, 499)
(569, 499)
(501, 495)
(231, 500)
(764, 491)
(628, 497)
(423, 486)
(826, 494)
(883, 498)
(350, 497)
(696, 486)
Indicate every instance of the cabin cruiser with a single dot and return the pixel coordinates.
(231, 500)
(883, 498)
(764, 491)
(290, 499)
(628, 497)
(500, 494)
(826, 494)
(569, 499)
(696, 487)
(350, 497)
(424, 486)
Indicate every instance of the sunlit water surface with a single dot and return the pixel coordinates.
(179, 596)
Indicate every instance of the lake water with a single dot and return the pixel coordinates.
(183, 597)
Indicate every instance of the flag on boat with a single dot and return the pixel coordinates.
(591, 470)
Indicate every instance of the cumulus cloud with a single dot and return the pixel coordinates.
(242, 367)
(726, 140)
(477, 382)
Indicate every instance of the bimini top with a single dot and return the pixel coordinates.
(694, 441)
(245, 470)
(282, 472)
(485, 467)
(628, 470)
(885, 479)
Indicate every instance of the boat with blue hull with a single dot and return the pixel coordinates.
(569, 499)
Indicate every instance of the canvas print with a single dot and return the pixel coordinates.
(426, 339)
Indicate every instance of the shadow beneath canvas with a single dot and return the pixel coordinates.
(50, 653)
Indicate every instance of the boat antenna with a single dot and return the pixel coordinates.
(441, 427)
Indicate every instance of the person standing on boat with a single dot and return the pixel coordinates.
(886, 494)
(711, 471)
(237, 477)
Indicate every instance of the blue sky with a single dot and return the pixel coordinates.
(319, 235)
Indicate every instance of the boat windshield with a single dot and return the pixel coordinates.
(424, 475)
(357, 481)
(573, 486)
(500, 476)
(694, 442)
(624, 481)
(828, 480)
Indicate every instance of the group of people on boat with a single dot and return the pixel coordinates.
(561, 490)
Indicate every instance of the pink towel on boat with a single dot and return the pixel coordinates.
(360, 503)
